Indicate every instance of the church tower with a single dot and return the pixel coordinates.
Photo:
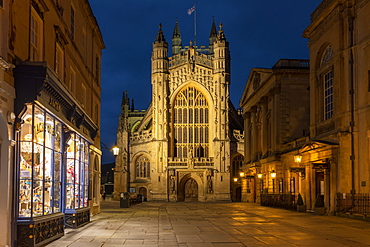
(160, 74)
(183, 146)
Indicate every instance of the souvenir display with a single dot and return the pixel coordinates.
(77, 172)
(40, 164)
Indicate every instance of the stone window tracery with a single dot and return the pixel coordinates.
(327, 55)
(191, 124)
(143, 167)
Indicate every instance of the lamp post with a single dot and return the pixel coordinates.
(298, 159)
(115, 151)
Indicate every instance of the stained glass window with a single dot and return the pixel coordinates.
(191, 127)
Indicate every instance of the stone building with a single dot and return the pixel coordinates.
(54, 48)
(340, 104)
(328, 158)
(183, 147)
(7, 116)
(276, 107)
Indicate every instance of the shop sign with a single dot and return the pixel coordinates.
(54, 103)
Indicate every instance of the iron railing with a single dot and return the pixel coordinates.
(353, 204)
(286, 201)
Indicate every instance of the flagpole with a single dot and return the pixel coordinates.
(195, 25)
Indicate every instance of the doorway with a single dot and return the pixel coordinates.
(143, 191)
(191, 190)
(320, 185)
(238, 195)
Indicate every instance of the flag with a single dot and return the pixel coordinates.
(191, 10)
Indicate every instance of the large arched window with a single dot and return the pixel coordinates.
(142, 167)
(191, 124)
(326, 66)
(237, 164)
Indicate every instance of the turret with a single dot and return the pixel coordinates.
(212, 37)
(160, 53)
(176, 40)
(160, 74)
(125, 107)
(221, 53)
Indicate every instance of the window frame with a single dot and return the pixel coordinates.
(73, 22)
(328, 94)
(142, 167)
(191, 130)
(59, 60)
(35, 36)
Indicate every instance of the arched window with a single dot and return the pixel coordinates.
(142, 167)
(327, 82)
(327, 55)
(191, 124)
(237, 163)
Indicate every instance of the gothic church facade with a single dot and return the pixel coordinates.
(187, 146)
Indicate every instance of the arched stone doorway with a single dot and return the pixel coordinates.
(191, 190)
(238, 194)
(143, 191)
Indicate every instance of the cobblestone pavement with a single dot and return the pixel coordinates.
(198, 224)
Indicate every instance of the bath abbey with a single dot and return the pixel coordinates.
(188, 143)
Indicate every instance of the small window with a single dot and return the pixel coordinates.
(84, 44)
(59, 60)
(328, 95)
(143, 167)
(72, 22)
(72, 81)
(35, 37)
(83, 95)
(97, 68)
(1, 3)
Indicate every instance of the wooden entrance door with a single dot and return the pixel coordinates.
(191, 190)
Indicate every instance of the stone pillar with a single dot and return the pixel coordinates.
(264, 102)
(247, 137)
(254, 133)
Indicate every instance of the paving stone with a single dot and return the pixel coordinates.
(164, 224)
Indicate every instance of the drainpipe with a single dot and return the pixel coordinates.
(352, 103)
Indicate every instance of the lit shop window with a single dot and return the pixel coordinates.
(77, 172)
(40, 164)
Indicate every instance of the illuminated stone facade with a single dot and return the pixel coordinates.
(7, 95)
(50, 55)
(340, 106)
(183, 148)
(276, 107)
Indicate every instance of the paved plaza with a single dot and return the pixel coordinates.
(196, 224)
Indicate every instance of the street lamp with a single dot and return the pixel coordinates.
(273, 174)
(297, 158)
(114, 149)
(259, 175)
(241, 174)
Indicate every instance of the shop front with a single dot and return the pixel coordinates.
(53, 153)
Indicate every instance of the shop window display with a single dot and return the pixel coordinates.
(77, 172)
(40, 163)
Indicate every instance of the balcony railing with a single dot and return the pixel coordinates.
(197, 162)
(353, 204)
(286, 201)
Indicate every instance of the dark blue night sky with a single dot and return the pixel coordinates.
(259, 32)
